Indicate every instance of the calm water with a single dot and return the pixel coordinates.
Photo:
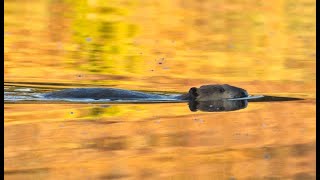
(265, 47)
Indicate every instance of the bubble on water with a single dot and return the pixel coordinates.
(267, 156)
(88, 39)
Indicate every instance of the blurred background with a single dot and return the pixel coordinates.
(265, 47)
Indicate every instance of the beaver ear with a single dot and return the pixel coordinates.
(193, 92)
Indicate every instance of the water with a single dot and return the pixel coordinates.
(265, 47)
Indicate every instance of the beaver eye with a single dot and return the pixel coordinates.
(243, 94)
(222, 90)
(193, 92)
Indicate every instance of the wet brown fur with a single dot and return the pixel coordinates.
(214, 92)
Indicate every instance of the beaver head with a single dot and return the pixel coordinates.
(215, 92)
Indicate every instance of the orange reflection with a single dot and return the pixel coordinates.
(265, 47)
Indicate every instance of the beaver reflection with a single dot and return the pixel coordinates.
(217, 105)
(233, 105)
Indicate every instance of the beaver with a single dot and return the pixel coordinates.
(203, 93)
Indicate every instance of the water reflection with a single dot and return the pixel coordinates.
(233, 105)
(267, 47)
(46, 140)
(99, 43)
(266, 98)
(217, 105)
(103, 39)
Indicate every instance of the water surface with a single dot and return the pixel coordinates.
(265, 47)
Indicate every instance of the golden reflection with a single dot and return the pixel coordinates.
(144, 45)
(265, 47)
(159, 140)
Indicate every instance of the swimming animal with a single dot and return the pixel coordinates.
(203, 93)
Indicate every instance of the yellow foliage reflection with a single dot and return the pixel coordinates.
(265, 47)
